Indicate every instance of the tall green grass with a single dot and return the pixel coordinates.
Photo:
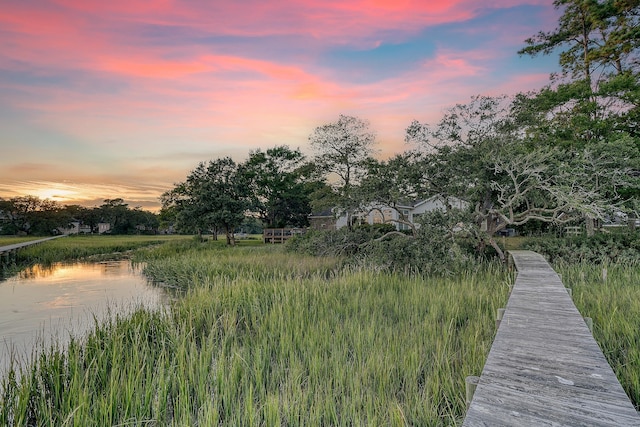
(614, 306)
(267, 338)
(89, 248)
(77, 247)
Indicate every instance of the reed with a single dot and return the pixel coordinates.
(263, 337)
(79, 247)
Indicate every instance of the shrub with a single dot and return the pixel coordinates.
(600, 248)
(438, 246)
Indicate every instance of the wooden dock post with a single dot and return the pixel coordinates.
(589, 322)
(471, 382)
(499, 317)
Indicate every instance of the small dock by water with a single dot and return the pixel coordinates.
(6, 252)
(280, 235)
(544, 367)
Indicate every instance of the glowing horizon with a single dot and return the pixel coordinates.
(122, 99)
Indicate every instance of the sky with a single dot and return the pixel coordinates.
(122, 99)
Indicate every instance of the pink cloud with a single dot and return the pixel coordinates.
(196, 98)
(331, 20)
(86, 35)
(153, 68)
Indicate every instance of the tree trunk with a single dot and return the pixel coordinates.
(231, 240)
(495, 246)
(492, 228)
(590, 226)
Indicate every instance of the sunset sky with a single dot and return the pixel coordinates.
(113, 98)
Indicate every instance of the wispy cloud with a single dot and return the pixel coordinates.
(132, 94)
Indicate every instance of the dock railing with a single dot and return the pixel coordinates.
(544, 367)
(280, 235)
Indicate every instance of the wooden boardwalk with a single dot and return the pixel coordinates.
(11, 248)
(545, 368)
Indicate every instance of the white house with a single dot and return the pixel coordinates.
(379, 214)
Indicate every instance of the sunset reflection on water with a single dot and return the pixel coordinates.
(51, 302)
(77, 271)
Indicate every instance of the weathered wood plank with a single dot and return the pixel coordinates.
(544, 367)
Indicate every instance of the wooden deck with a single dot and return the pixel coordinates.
(280, 235)
(545, 368)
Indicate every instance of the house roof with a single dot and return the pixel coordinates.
(327, 213)
(451, 199)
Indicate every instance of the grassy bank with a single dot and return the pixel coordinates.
(86, 247)
(78, 247)
(264, 337)
(261, 337)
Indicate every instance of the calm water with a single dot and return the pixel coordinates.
(41, 304)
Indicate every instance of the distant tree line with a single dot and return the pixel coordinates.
(30, 215)
(567, 153)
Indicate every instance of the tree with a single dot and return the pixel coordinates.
(342, 151)
(598, 100)
(144, 221)
(394, 182)
(32, 215)
(598, 93)
(116, 213)
(507, 180)
(88, 216)
(23, 209)
(612, 170)
(277, 184)
(595, 35)
(6, 217)
(215, 195)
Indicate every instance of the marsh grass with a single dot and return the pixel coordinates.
(79, 247)
(207, 265)
(267, 338)
(84, 248)
(614, 306)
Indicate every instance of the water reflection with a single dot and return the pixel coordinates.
(78, 270)
(45, 303)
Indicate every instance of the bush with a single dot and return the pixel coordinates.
(600, 248)
(437, 248)
(342, 242)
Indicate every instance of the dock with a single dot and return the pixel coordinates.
(280, 235)
(544, 367)
(8, 250)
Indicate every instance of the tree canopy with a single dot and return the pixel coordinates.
(342, 150)
(34, 216)
(277, 183)
(565, 153)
